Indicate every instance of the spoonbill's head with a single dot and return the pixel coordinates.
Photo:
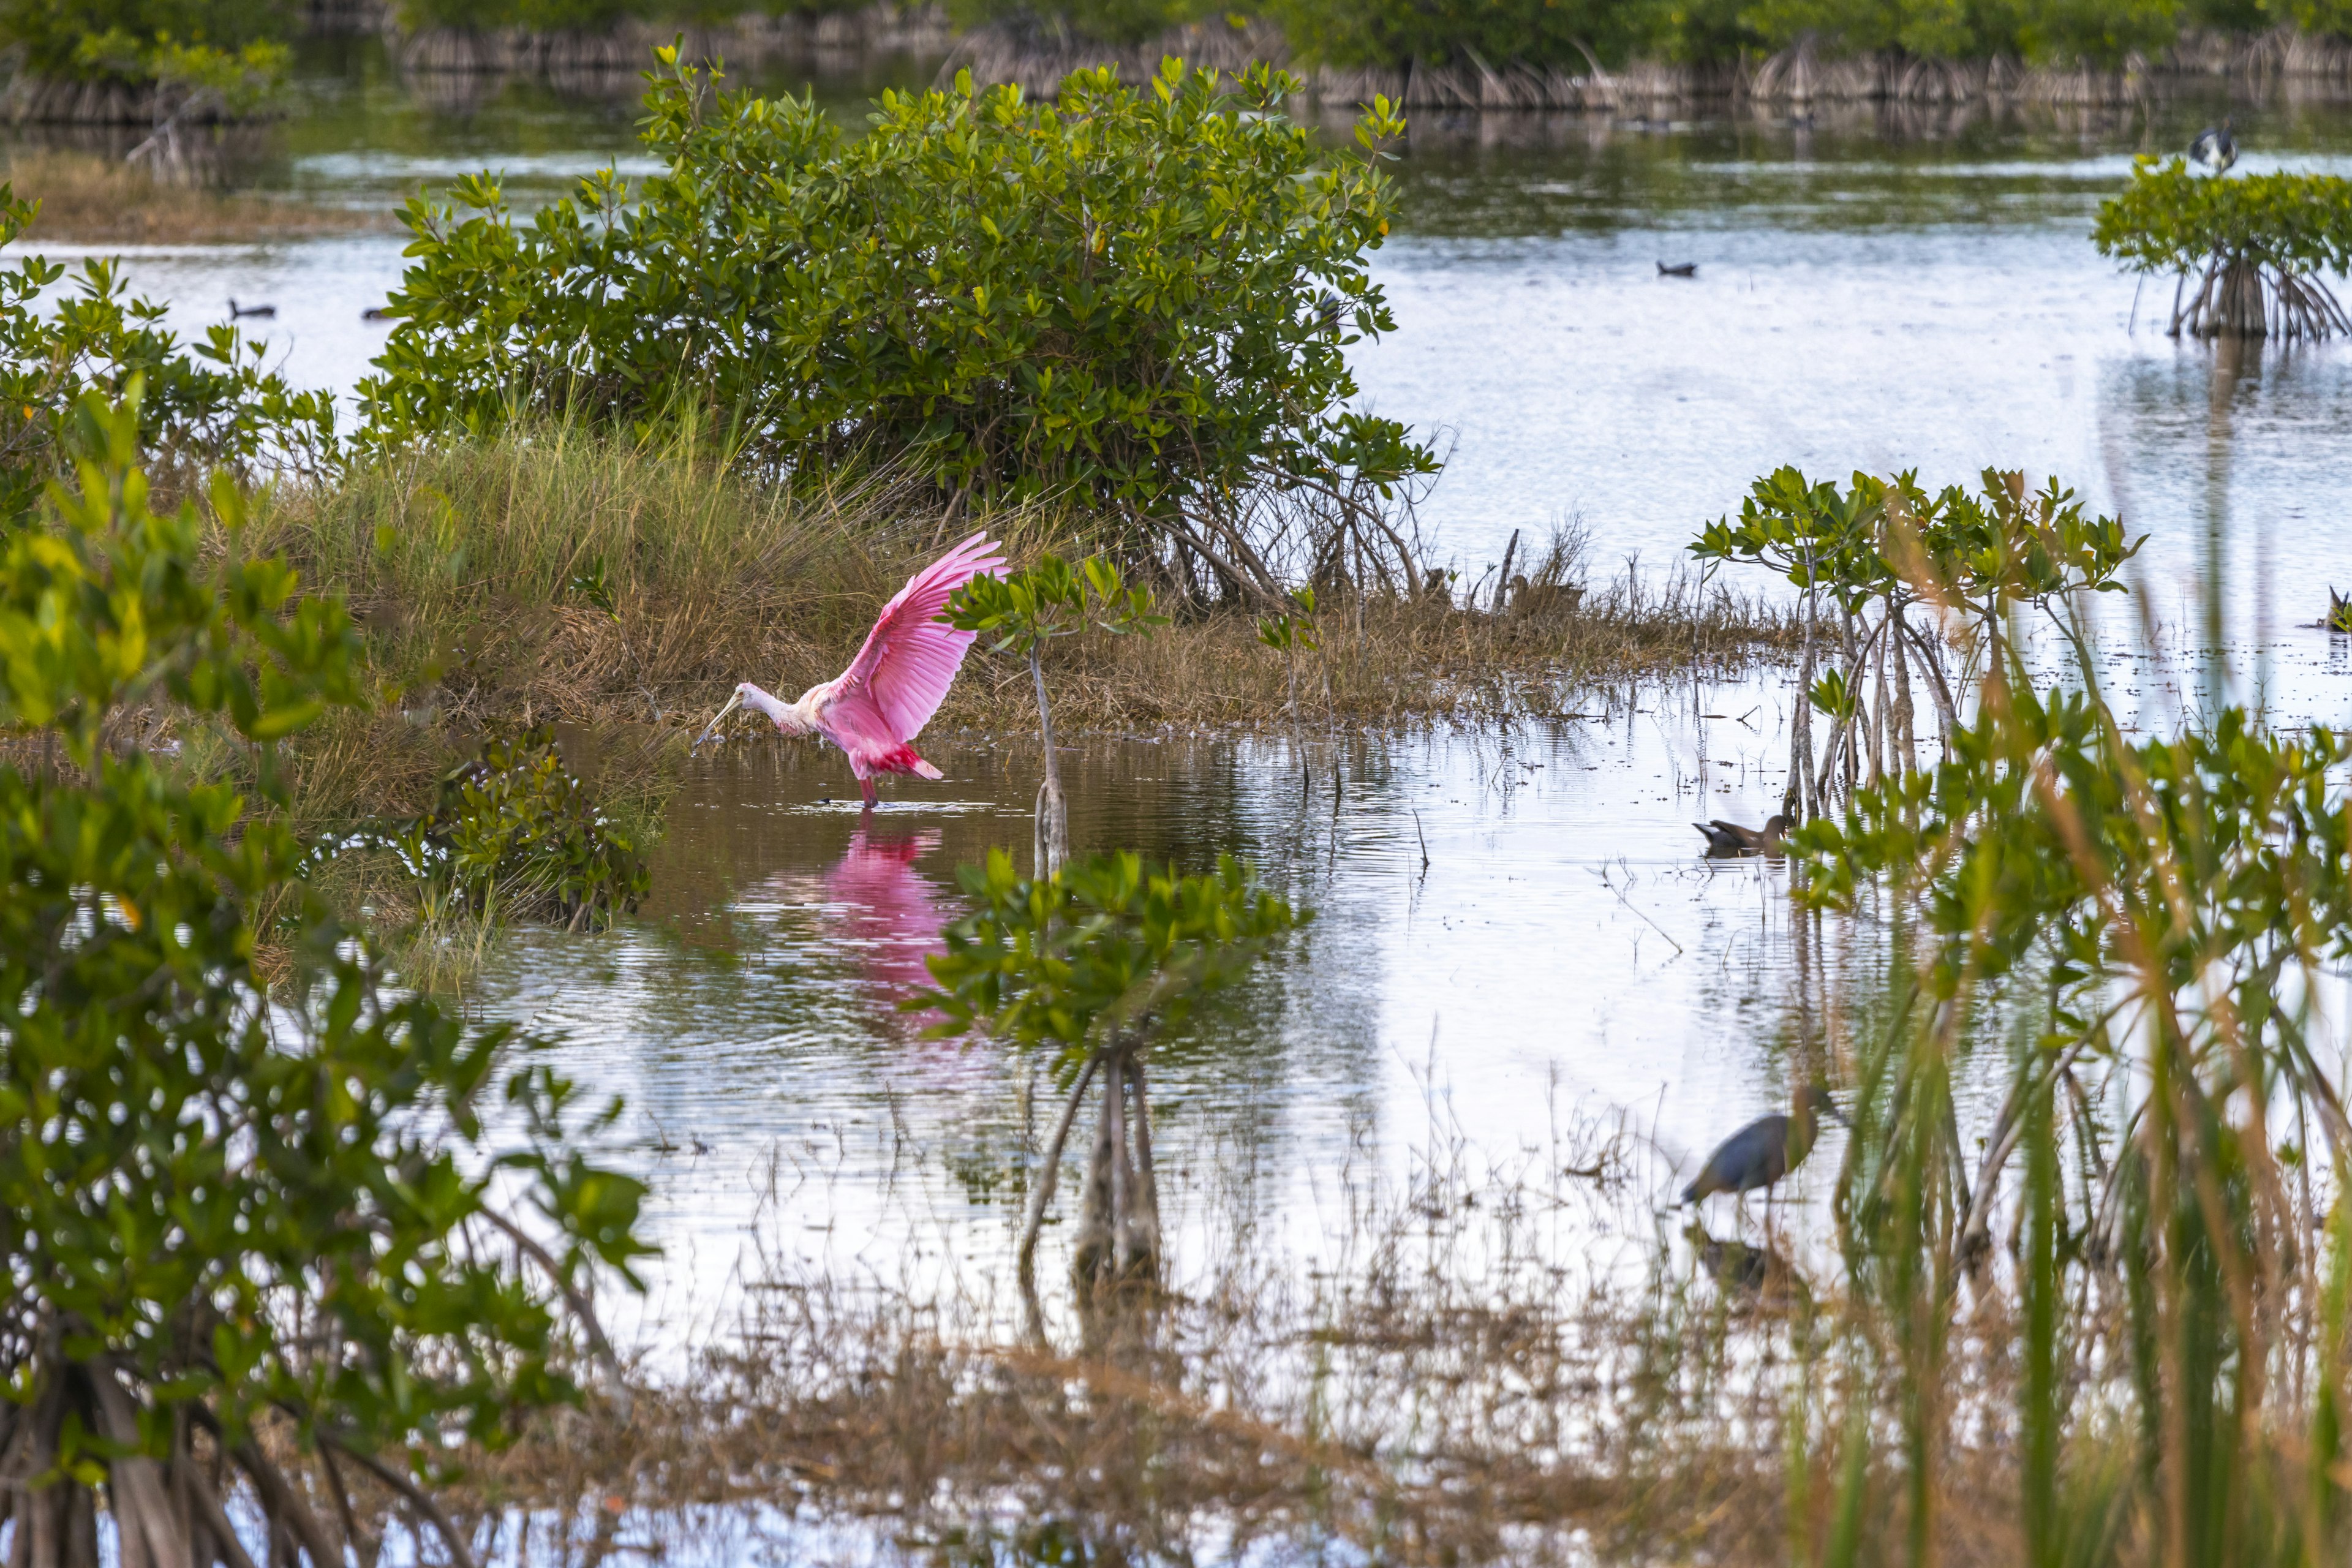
(790, 718)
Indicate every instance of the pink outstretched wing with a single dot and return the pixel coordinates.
(910, 658)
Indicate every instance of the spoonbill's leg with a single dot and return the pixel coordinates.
(866, 785)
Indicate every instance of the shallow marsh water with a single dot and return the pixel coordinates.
(1883, 296)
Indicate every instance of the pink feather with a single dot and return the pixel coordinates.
(902, 674)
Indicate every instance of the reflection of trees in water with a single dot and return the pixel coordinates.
(2213, 449)
(1841, 167)
(825, 918)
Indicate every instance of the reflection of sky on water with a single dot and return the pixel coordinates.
(1862, 300)
(1564, 950)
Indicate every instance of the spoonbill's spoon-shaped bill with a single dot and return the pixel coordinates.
(874, 710)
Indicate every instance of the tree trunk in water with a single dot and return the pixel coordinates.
(1801, 725)
(1907, 751)
(1138, 1228)
(1119, 1232)
(1092, 1257)
(1049, 1174)
(2238, 309)
(1053, 816)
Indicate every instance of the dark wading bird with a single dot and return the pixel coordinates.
(2215, 149)
(1766, 1149)
(1730, 838)
(236, 311)
(1679, 270)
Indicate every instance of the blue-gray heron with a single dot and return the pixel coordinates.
(2215, 149)
(1730, 838)
(1766, 1149)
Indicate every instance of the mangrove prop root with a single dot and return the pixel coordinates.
(460, 1552)
(1093, 1251)
(2239, 295)
(1147, 1176)
(1122, 1171)
(1049, 1172)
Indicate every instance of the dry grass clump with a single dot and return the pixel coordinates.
(90, 197)
(1522, 1367)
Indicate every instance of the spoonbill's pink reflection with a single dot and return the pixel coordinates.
(891, 914)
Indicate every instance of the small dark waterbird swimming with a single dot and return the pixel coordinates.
(1679, 270)
(1730, 838)
(1766, 1149)
(237, 312)
(2215, 149)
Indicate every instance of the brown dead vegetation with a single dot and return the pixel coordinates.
(1476, 1382)
(93, 198)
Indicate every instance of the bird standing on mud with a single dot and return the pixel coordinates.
(1766, 1149)
(874, 710)
(2215, 149)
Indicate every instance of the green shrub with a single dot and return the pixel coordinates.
(516, 830)
(2330, 18)
(1091, 966)
(2259, 246)
(125, 40)
(1878, 551)
(221, 1199)
(1138, 297)
(209, 404)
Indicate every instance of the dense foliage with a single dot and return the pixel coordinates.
(220, 1200)
(2258, 245)
(1136, 296)
(208, 41)
(1090, 966)
(209, 403)
(515, 833)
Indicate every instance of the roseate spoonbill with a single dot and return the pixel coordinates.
(875, 707)
(2215, 149)
(1730, 838)
(1763, 1151)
